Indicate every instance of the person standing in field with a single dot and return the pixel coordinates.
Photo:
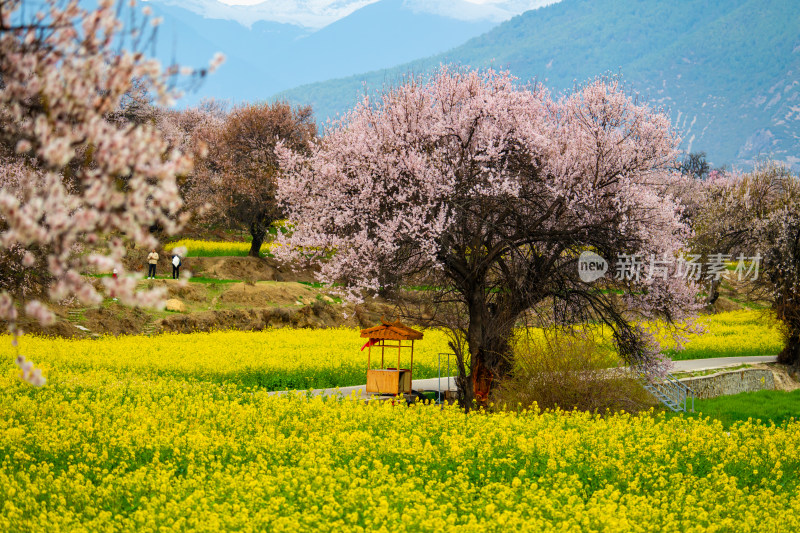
(152, 260)
(176, 266)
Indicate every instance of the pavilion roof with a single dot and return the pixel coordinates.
(391, 331)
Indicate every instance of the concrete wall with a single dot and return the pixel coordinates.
(732, 382)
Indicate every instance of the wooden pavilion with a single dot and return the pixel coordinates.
(391, 335)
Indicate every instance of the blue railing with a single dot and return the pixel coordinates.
(674, 394)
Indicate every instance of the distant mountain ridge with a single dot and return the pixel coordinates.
(316, 14)
(727, 70)
(268, 56)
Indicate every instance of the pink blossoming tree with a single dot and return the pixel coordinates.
(194, 131)
(490, 190)
(757, 214)
(88, 175)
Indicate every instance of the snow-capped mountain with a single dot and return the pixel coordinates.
(278, 44)
(319, 13)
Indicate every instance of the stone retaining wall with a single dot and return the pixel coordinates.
(732, 382)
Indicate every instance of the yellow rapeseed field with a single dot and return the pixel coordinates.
(178, 432)
(281, 359)
(198, 248)
(277, 359)
(739, 333)
(736, 333)
(100, 450)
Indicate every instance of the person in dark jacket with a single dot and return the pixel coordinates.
(176, 266)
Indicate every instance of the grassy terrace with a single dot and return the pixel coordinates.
(767, 406)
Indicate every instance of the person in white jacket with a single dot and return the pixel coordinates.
(152, 261)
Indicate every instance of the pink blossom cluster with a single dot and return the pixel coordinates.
(468, 171)
(194, 131)
(28, 373)
(652, 363)
(391, 169)
(79, 174)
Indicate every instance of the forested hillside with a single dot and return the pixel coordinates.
(728, 70)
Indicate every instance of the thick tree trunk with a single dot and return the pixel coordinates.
(713, 292)
(482, 378)
(491, 364)
(258, 231)
(489, 334)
